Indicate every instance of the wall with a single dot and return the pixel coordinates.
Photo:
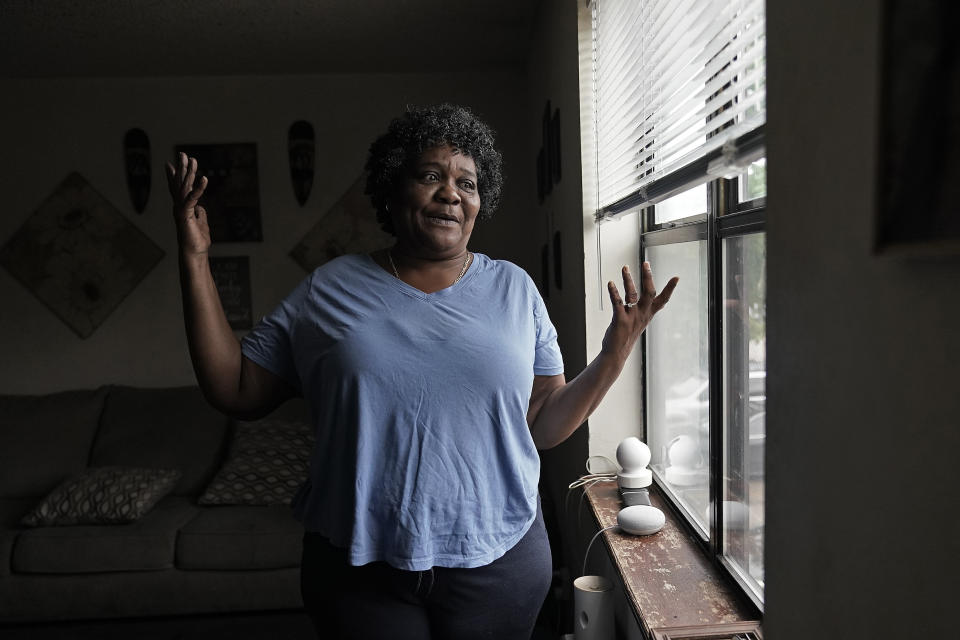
(52, 127)
(581, 309)
(863, 358)
(552, 75)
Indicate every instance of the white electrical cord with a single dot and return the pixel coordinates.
(591, 478)
(587, 554)
(587, 481)
(583, 495)
(595, 475)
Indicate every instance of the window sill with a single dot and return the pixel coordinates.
(673, 588)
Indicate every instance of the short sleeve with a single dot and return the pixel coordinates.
(270, 343)
(547, 359)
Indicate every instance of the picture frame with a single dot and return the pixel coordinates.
(231, 274)
(549, 156)
(555, 155)
(79, 255)
(232, 197)
(918, 192)
(545, 271)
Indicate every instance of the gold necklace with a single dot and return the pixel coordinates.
(466, 262)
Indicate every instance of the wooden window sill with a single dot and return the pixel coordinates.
(675, 590)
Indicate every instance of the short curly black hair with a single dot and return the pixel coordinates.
(393, 154)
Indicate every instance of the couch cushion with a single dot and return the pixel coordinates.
(103, 495)
(29, 425)
(161, 428)
(266, 463)
(146, 544)
(39, 599)
(295, 410)
(240, 537)
(11, 510)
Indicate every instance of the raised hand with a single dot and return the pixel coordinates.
(193, 232)
(632, 316)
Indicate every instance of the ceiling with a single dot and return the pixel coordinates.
(81, 38)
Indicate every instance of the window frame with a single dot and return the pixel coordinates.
(725, 217)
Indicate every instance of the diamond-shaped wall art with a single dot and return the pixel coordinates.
(79, 255)
(349, 226)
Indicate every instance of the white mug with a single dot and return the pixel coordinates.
(593, 608)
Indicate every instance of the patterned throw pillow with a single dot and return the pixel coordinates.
(265, 465)
(103, 495)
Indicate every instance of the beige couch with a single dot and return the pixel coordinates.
(181, 557)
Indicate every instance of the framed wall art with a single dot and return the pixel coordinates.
(919, 137)
(349, 226)
(79, 255)
(232, 277)
(232, 198)
(549, 155)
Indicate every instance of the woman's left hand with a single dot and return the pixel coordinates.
(631, 316)
(558, 407)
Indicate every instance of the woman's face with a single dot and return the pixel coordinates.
(434, 210)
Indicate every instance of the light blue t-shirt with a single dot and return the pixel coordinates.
(423, 455)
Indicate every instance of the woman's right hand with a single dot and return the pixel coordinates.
(193, 232)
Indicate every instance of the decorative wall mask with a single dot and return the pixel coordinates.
(136, 154)
(300, 144)
(79, 255)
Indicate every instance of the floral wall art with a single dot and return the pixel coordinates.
(79, 255)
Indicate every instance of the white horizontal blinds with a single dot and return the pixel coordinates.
(674, 80)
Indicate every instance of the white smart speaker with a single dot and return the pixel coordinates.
(641, 520)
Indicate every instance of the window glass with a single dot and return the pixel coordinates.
(692, 202)
(678, 389)
(744, 411)
(753, 181)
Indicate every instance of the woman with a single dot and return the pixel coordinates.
(433, 375)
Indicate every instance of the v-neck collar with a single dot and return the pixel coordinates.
(411, 290)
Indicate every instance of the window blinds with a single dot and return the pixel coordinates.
(679, 90)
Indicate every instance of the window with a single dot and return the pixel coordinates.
(742, 277)
(679, 108)
(678, 379)
(705, 372)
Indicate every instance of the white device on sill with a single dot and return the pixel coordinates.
(639, 517)
(633, 456)
(592, 598)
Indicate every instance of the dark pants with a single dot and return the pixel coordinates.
(500, 600)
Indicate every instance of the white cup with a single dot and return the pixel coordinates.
(593, 608)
